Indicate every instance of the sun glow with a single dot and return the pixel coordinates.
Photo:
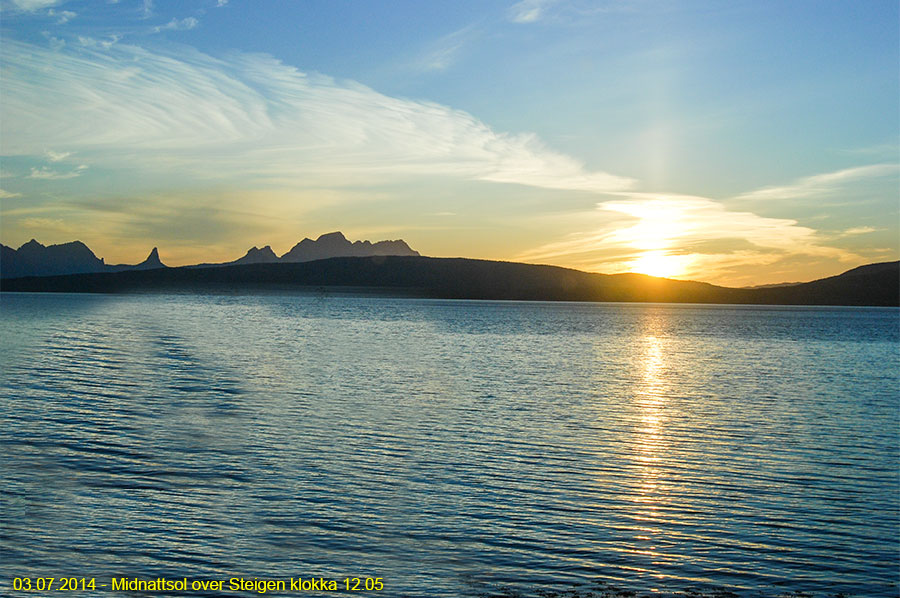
(661, 222)
(660, 263)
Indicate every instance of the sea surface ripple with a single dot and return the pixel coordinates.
(452, 448)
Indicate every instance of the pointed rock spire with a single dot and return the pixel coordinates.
(152, 261)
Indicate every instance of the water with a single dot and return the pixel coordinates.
(451, 448)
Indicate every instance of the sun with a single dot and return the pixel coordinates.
(660, 263)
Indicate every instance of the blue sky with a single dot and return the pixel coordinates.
(734, 142)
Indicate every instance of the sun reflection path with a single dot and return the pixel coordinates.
(650, 400)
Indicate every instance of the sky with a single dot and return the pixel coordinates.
(738, 143)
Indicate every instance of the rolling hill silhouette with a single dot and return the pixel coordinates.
(459, 278)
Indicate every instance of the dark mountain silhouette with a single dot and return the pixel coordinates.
(772, 285)
(34, 259)
(150, 263)
(258, 256)
(873, 284)
(457, 278)
(326, 246)
(336, 245)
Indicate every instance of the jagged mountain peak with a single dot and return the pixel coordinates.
(335, 244)
(335, 236)
(255, 255)
(32, 244)
(34, 259)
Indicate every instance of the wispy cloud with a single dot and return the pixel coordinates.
(529, 11)
(46, 173)
(56, 156)
(446, 50)
(8, 195)
(820, 184)
(34, 5)
(701, 235)
(90, 42)
(221, 3)
(858, 230)
(55, 42)
(253, 116)
(49, 226)
(62, 17)
(178, 25)
(579, 12)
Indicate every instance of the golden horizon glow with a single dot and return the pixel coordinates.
(660, 223)
(660, 263)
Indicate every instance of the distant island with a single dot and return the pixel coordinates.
(333, 263)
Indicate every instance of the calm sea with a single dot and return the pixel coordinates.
(451, 448)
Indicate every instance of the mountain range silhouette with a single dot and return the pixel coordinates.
(34, 259)
(326, 246)
(311, 267)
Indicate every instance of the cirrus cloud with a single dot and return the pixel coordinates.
(53, 175)
(178, 25)
(820, 184)
(34, 5)
(251, 116)
(710, 241)
(529, 11)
